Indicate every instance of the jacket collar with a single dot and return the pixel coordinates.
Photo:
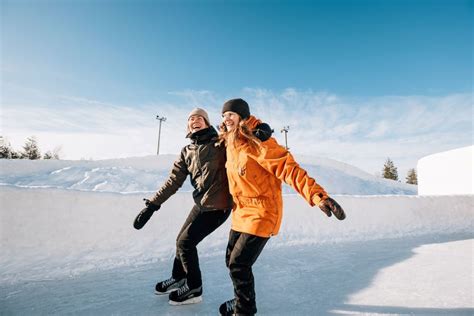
(202, 136)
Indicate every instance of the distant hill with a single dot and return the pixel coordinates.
(146, 174)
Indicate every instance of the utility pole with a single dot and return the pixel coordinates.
(161, 119)
(286, 129)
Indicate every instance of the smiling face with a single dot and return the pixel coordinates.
(196, 123)
(231, 120)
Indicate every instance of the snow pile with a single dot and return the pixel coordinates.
(449, 172)
(48, 233)
(146, 174)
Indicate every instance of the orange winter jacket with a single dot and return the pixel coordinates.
(255, 181)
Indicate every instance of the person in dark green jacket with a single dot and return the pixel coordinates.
(204, 161)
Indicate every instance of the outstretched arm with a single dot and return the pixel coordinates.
(175, 181)
(278, 161)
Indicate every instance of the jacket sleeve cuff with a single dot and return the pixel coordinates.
(154, 201)
(318, 197)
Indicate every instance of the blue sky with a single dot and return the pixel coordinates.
(355, 68)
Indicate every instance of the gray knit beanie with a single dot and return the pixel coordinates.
(201, 112)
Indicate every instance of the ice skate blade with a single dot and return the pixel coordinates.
(192, 300)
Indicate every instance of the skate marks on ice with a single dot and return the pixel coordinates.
(329, 279)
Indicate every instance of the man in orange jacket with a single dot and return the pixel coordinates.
(255, 172)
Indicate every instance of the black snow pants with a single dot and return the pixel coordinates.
(242, 252)
(197, 226)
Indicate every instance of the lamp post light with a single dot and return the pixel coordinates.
(285, 129)
(161, 119)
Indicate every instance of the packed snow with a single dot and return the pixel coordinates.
(449, 172)
(71, 249)
(145, 174)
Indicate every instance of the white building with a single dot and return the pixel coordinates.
(447, 173)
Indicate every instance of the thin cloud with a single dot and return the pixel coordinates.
(359, 131)
(380, 129)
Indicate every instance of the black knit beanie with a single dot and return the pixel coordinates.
(238, 106)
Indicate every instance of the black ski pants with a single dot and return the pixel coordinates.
(197, 226)
(242, 252)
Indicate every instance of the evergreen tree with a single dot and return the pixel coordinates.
(30, 149)
(52, 154)
(5, 149)
(16, 154)
(412, 177)
(48, 155)
(389, 170)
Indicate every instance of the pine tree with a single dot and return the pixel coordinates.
(412, 177)
(30, 149)
(389, 170)
(5, 149)
(54, 154)
(16, 154)
(48, 155)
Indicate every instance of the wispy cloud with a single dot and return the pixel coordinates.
(359, 131)
(380, 129)
(364, 131)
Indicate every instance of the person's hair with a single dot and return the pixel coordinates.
(240, 133)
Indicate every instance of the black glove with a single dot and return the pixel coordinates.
(145, 214)
(330, 206)
(263, 132)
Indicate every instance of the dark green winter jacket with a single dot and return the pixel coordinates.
(204, 160)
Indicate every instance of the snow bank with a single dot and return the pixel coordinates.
(449, 172)
(146, 174)
(47, 233)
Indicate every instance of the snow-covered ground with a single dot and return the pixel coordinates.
(448, 172)
(69, 251)
(141, 174)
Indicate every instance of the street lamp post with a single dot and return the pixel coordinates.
(285, 129)
(161, 119)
